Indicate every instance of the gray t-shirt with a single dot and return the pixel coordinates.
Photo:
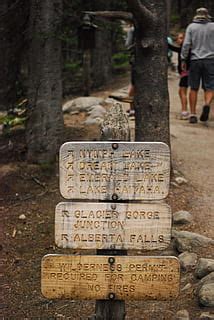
(199, 39)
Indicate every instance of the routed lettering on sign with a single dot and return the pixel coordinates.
(114, 171)
(105, 277)
(143, 226)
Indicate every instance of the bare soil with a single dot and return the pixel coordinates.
(33, 191)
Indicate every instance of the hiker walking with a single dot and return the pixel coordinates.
(199, 38)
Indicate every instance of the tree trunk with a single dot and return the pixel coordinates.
(12, 26)
(101, 56)
(151, 99)
(45, 119)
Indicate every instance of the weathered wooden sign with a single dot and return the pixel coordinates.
(110, 277)
(114, 171)
(81, 225)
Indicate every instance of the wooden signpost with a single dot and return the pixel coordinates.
(110, 277)
(114, 171)
(83, 225)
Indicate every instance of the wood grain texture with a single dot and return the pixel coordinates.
(92, 225)
(114, 171)
(110, 277)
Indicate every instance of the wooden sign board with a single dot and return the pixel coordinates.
(110, 277)
(114, 171)
(83, 225)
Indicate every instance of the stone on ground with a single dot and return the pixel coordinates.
(190, 241)
(182, 217)
(207, 316)
(182, 315)
(206, 295)
(204, 267)
(206, 280)
(188, 260)
(81, 104)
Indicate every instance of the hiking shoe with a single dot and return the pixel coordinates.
(193, 119)
(184, 115)
(205, 113)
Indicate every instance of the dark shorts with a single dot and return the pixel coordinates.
(202, 70)
(184, 82)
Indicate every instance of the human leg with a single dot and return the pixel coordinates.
(193, 95)
(194, 82)
(131, 90)
(183, 97)
(208, 96)
(183, 85)
(208, 86)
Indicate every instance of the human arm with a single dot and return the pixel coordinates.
(130, 38)
(186, 45)
(174, 48)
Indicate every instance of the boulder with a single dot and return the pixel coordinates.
(206, 295)
(188, 260)
(182, 217)
(93, 121)
(190, 241)
(204, 267)
(81, 104)
(206, 280)
(97, 112)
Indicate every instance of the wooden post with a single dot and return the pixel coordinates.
(115, 128)
(87, 71)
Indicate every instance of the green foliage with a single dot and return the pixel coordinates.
(174, 18)
(72, 67)
(120, 58)
(12, 120)
(120, 61)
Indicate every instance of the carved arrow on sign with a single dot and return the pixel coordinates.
(64, 236)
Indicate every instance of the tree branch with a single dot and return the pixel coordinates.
(142, 14)
(122, 15)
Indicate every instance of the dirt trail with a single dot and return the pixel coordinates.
(193, 149)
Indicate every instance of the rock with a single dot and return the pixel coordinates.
(22, 217)
(92, 121)
(182, 217)
(96, 116)
(206, 316)
(81, 104)
(180, 180)
(206, 295)
(174, 184)
(186, 287)
(190, 241)
(188, 260)
(204, 267)
(206, 280)
(97, 112)
(182, 315)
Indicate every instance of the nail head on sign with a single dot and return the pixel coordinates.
(111, 296)
(115, 146)
(114, 196)
(111, 260)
